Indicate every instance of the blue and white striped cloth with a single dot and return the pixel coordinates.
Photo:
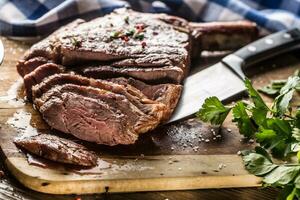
(40, 17)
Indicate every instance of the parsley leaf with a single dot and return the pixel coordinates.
(260, 109)
(244, 122)
(258, 164)
(213, 111)
(282, 175)
(275, 86)
(277, 131)
(282, 101)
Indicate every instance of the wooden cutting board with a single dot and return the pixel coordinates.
(185, 155)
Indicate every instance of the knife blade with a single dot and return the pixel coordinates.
(225, 79)
(1, 52)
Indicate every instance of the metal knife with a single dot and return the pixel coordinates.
(1, 51)
(225, 79)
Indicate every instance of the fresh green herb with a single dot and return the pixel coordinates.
(213, 111)
(115, 34)
(139, 36)
(75, 42)
(282, 101)
(130, 32)
(243, 120)
(275, 86)
(126, 19)
(286, 176)
(276, 130)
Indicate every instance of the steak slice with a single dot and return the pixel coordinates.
(25, 67)
(140, 122)
(135, 96)
(57, 149)
(168, 94)
(161, 74)
(37, 75)
(88, 119)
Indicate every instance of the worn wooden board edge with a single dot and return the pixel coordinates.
(83, 185)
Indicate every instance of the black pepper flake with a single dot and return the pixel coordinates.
(143, 44)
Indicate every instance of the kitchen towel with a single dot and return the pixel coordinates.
(30, 18)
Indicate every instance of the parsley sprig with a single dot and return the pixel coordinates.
(273, 89)
(276, 129)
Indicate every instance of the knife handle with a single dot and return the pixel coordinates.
(262, 49)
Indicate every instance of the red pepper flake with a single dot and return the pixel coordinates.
(140, 27)
(143, 44)
(125, 38)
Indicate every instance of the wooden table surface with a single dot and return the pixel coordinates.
(278, 68)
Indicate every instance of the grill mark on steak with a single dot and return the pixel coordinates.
(87, 119)
(163, 74)
(58, 149)
(37, 75)
(140, 122)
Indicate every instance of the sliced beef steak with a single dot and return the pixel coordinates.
(144, 58)
(37, 75)
(135, 96)
(168, 94)
(161, 74)
(88, 119)
(25, 67)
(58, 149)
(139, 121)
